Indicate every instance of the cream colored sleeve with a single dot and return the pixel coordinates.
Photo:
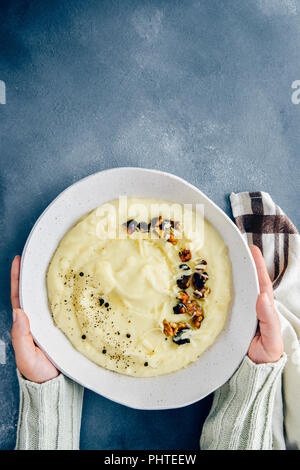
(242, 409)
(50, 414)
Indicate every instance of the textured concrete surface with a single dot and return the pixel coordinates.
(198, 88)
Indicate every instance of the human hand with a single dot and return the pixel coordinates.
(31, 361)
(267, 345)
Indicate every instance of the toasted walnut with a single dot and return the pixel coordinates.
(166, 224)
(163, 229)
(184, 282)
(156, 225)
(171, 328)
(193, 308)
(183, 296)
(143, 227)
(181, 338)
(181, 325)
(131, 226)
(197, 320)
(177, 226)
(184, 267)
(172, 239)
(199, 294)
(201, 265)
(156, 222)
(202, 293)
(185, 255)
(179, 308)
(198, 281)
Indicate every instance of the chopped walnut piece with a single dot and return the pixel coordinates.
(165, 225)
(184, 282)
(181, 325)
(202, 293)
(183, 296)
(181, 338)
(171, 238)
(176, 225)
(156, 222)
(197, 320)
(171, 328)
(156, 225)
(131, 226)
(193, 308)
(179, 308)
(185, 255)
(199, 294)
(163, 229)
(201, 265)
(184, 267)
(143, 227)
(198, 281)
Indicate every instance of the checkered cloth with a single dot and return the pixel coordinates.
(265, 225)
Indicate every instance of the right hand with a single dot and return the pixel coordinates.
(32, 363)
(267, 344)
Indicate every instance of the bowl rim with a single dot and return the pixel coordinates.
(141, 170)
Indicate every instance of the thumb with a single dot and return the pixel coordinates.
(21, 337)
(269, 324)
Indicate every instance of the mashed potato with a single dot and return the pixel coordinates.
(114, 298)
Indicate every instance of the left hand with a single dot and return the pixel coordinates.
(31, 361)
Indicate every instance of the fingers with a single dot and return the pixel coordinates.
(265, 283)
(15, 273)
(22, 339)
(267, 346)
(31, 361)
(269, 324)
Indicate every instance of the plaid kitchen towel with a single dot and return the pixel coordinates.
(265, 225)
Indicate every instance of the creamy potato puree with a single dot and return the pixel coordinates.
(110, 296)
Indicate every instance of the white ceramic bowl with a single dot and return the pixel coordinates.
(175, 390)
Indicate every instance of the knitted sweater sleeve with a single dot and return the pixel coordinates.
(242, 409)
(240, 417)
(50, 414)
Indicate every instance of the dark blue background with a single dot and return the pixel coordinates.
(198, 88)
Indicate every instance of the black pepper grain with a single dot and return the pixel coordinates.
(81, 274)
(146, 364)
(83, 336)
(103, 351)
(128, 335)
(106, 304)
